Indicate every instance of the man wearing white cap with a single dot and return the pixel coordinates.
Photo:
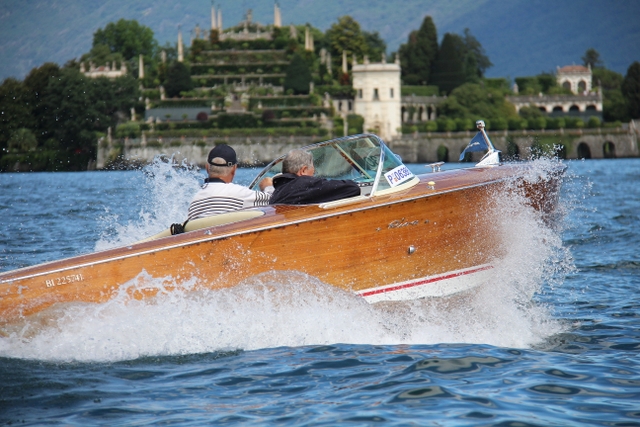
(219, 194)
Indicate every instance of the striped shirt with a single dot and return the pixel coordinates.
(217, 197)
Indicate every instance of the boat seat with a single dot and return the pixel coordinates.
(211, 221)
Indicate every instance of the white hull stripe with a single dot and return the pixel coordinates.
(441, 285)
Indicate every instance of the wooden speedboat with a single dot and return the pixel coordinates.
(404, 237)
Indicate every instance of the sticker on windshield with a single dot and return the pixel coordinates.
(398, 175)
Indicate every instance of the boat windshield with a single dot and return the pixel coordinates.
(364, 159)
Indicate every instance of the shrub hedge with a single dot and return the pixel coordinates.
(444, 124)
(235, 121)
(269, 131)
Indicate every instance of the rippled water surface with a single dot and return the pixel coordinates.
(286, 349)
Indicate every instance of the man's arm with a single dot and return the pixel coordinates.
(266, 185)
(253, 198)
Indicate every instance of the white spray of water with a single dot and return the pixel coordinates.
(292, 309)
(169, 189)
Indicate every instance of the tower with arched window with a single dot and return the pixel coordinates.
(577, 78)
(377, 86)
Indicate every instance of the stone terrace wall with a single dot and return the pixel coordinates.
(250, 150)
(414, 148)
(423, 147)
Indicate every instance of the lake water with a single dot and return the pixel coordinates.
(570, 356)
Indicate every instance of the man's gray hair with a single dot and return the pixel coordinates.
(218, 171)
(296, 160)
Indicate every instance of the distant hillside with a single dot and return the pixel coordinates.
(521, 37)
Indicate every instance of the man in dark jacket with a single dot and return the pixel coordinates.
(298, 186)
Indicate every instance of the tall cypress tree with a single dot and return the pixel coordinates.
(178, 79)
(631, 89)
(427, 47)
(476, 60)
(297, 76)
(407, 54)
(449, 67)
(418, 54)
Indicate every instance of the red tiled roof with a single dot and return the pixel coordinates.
(574, 69)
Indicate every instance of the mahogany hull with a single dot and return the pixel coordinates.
(424, 241)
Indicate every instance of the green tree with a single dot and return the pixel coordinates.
(115, 97)
(406, 53)
(280, 37)
(38, 78)
(158, 68)
(476, 60)
(22, 140)
(631, 89)
(297, 76)
(593, 122)
(474, 101)
(126, 37)
(101, 55)
(69, 110)
(346, 35)
(37, 83)
(547, 82)
(614, 105)
(376, 47)
(448, 68)
(418, 54)
(471, 69)
(73, 117)
(178, 79)
(607, 79)
(197, 47)
(16, 106)
(528, 85)
(592, 58)
(530, 113)
(499, 83)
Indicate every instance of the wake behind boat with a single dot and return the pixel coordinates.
(404, 237)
